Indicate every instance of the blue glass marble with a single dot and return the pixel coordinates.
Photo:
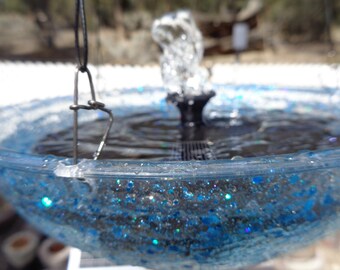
(180, 214)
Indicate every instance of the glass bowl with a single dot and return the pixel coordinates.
(175, 214)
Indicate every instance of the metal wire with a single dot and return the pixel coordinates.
(92, 104)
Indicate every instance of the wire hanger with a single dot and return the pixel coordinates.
(92, 104)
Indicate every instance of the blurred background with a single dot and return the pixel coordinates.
(280, 30)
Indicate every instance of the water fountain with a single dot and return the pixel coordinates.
(183, 77)
(229, 178)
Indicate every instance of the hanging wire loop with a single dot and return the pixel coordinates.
(92, 104)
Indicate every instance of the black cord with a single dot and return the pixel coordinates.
(82, 54)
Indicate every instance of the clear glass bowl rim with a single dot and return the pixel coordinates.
(167, 170)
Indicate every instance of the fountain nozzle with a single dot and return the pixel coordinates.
(191, 107)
